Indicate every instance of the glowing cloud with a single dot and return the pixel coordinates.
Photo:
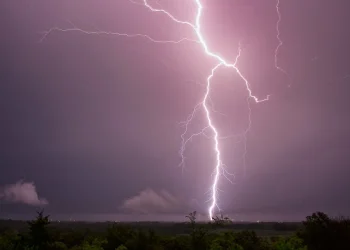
(149, 201)
(22, 192)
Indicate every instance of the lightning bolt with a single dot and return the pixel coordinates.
(204, 104)
(101, 32)
(280, 42)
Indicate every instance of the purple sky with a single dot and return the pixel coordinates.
(90, 123)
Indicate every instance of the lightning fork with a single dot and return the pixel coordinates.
(100, 32)
(221, 62)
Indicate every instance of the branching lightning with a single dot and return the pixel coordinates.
(100, 32)
(220, 167)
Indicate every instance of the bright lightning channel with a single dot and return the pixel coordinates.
(280, 42)
(221, 62)
(101, 32)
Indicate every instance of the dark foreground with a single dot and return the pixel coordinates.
(318, 231)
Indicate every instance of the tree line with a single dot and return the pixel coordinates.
(318, 232)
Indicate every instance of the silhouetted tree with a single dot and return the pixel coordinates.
(198, 234)
(323, 233)
(221, 220)
(38, 232)
(192, 217)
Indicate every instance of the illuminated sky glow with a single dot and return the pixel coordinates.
(93, 97)
(220, 167)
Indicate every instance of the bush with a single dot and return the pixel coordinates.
(118, 234)
(323, 233)
(225, 242)
(289, 243)
(176, 243)
(121, 247)
(8, 240)
(57, 245)
(248, 240)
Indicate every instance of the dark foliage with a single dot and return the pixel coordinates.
(118, 234)
(319, 232)
(322, 233)
(38, 231)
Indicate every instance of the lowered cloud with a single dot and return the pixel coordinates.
(150, 202)
(22, 192)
